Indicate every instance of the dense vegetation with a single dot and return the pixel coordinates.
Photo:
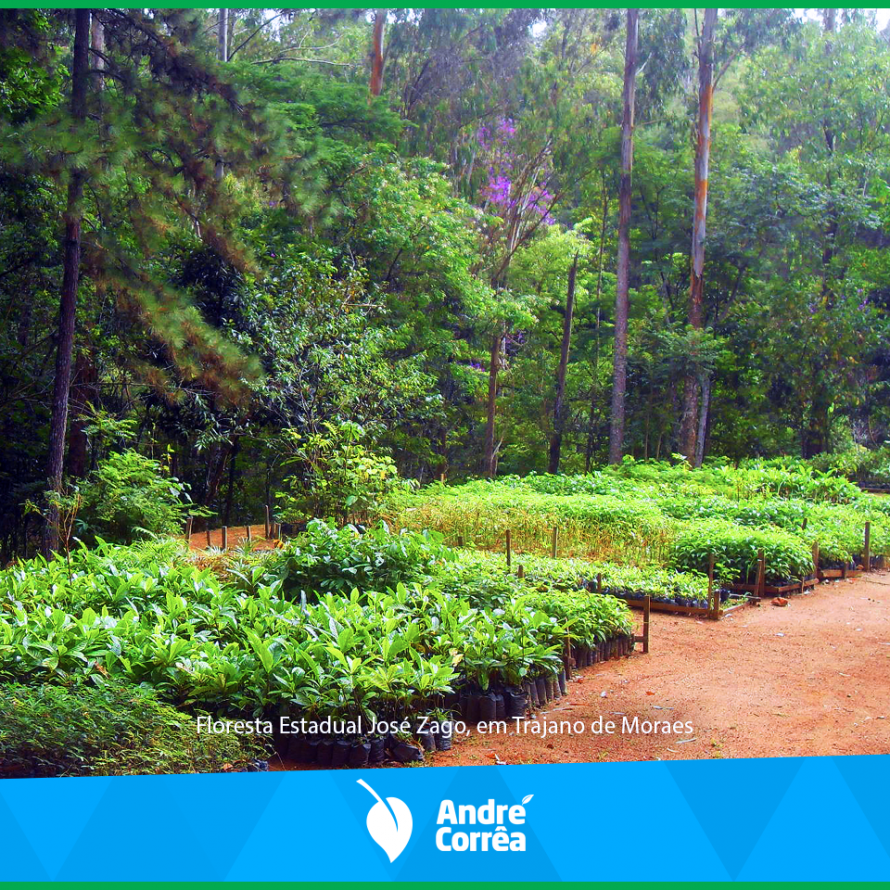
(364, 629)
(244, 266)
(410, 278)
(650, 514)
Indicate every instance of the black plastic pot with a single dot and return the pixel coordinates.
(340, 753)
(531, 692)
(443, 737)
(359, 754)
(515, 702)
(500, 706)
(310, 751)
(325, 752)
(487, 707)
(404, 752)
(551, 687)
(469, 708)
(426, 739)
(561, 679)
(541, 686)
(295, 746)
(378, 750)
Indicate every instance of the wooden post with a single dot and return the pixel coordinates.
(554, 542)
(866, 549)
(268, 522)
(761, 573)
(208, 538)
(460, 540)
(599, 582)
(247, 529)
(713, 595)
(225, 537)
(647, 608)
(520, 571)
(816, 561)
(188, 528)
(509, 555)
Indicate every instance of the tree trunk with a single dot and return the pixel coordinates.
(688, 422)
(70, 280)
(222, 36)
(491, 457)
(83, 392)
(619, 374)
(594, 387)
(222, 53)
(376, 84)
(703, 420)
(558, 405)
(227, 515)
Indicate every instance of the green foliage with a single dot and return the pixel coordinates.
(338, 560)
(109, 730)
(337, 476)
(130, 496)
(253, 642)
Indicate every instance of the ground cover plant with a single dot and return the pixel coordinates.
(660, 515)
(398, 630)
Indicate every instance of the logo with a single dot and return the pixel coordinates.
(389, 823)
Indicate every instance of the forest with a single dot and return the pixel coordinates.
(451, 242)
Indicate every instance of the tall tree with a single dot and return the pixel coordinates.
(71, 277)
(705, 50)
(376, 84)
(625, 192)
(559, 409)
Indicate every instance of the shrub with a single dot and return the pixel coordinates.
(735, 550)
(327, 559)
(109, 730)
(130, 496)
(338, 476)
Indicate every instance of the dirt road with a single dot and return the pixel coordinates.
(812, 678)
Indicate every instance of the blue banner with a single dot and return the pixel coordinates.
(795, 819)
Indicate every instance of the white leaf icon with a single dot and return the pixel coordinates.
(527, 798)
(389, 824)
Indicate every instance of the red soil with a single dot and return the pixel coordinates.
(812, 678)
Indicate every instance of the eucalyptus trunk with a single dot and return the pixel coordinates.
(689, 419)
(559, 410)
(619, 373)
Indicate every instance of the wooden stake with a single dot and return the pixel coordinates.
(208, 538)
(713, 595)
(554, 543)
(188, 528)
(816, 560)
(460, 540)
(761, 573)
(520, 571)
(247, 529)
(225, 537)
(647, 608)
(866, 549)
(509, 554)
(268, 523)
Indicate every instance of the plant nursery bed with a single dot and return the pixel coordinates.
(776, 590)
(673, 607)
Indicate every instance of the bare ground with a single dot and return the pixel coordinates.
(812, 678)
